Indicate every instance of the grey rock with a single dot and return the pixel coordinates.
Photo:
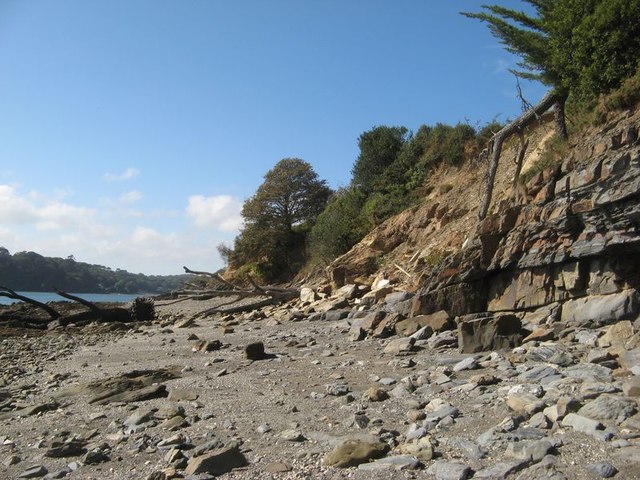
(500, 471)
(469, 363)
(445, 470)
(469, 449)
(337, 389)
(292, 435)
(395, 462)
(602, 469)
(581, 424)
(538, 374)
(207, 447)
(35, 471)
(140, 416)
(531, 451)
(609, 407)
(588, 372)
(599, 310)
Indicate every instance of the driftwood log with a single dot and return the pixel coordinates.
(263, 295)
(141, 309)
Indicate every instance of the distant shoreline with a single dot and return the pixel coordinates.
(92, 297)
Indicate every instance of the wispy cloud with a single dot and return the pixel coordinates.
(221, 212)
(128, 198)
(113, 236)
(128, 174)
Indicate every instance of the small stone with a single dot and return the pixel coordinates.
(400, 346)
(375, 394)
(34, 471)
(277, 467)
(530, 451)
(445, 470)
(469, 363)
(254, 351)
(292, 436)
(603, 469)
(352, 453)
(337, 389)
(581, 424)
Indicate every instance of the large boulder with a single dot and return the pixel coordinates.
(489, 333)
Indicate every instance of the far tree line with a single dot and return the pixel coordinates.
(586, 51)
(29, 271)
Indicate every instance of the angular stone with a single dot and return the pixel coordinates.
(352, 453)
(399, 346)
(500, 471)
(35, 471)
(617, 334)
(581, 424)
(629, 359)
(524, 403)
(530, 451)
(469, 363)
(489, 333)
(608, 407)
(631, 387)
(308, 295)
(216, 462)
(602, 309)
(445, 470)
(254, 351)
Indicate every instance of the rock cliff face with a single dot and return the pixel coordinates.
(567, 257)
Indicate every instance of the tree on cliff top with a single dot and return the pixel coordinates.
(277, 219)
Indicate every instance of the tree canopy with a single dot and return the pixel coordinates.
(277, 219)
(30, 271)
(580, 47)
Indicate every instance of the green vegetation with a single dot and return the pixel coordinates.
(278, 218)
(579, 48)
(401, 162)
(28, 271)
(584, 50)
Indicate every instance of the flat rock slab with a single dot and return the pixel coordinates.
(216, 462)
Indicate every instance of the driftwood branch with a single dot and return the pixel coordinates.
(265, 295)
(7, 292)
(494, 148)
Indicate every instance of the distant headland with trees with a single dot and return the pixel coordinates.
(29, 271)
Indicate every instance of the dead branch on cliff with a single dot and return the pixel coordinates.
(494, 148)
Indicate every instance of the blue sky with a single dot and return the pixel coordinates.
(131, 131)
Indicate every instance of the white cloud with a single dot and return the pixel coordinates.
(130, 197)
(128, 174)
(44, 224)
(221, 212)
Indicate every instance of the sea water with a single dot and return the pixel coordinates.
(45, 297)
